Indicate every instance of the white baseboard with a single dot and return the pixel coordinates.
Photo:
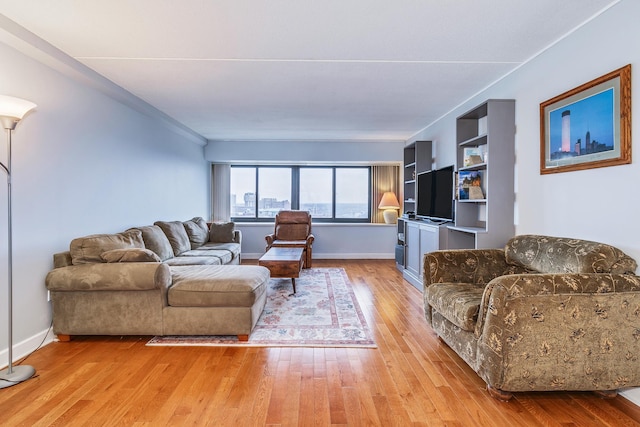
(632, 395)
(333, 256)
(23, 348)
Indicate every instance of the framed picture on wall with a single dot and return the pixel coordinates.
(589, 126)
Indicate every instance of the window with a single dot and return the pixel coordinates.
(243, 186)
(274, 188)
(352, 193)
(329, 193)
(316, 191)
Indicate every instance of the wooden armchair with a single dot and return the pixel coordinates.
(293, 230)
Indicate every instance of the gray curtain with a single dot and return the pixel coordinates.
(220, 187)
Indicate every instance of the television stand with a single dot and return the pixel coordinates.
(420, 236)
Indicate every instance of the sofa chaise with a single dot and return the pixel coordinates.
(169, 278)
(544, 313)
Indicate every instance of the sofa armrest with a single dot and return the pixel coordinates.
(237, 237)
(530, 323)
(477, 266)
(129, 276)
(62, 259)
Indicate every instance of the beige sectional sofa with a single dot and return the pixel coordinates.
(169, 278)
(544, 313)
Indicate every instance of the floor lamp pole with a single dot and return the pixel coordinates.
(13, 374)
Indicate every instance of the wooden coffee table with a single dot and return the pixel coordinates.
(283, 262)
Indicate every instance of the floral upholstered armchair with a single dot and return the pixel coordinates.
(545, 313)
(293, 230)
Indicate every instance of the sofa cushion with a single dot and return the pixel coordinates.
(224, 256)
(88, 249)
(130, 255)
(193, 260)
(197, 230)
(155, 240)
(221, 232)
(234, 248)
(217, 286)
(457, 302)
(177, 235)
(546, 254)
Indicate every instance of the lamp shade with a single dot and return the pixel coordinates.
(389, 201)
(15, 108)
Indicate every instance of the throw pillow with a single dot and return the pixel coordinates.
(176, 234)
(221, 232)
(130, 255)
(155, 240)
(197, 231)
(86, 250)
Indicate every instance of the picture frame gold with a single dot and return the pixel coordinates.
(588, 126)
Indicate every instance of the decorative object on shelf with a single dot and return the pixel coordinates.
(473, 156)
(589, 126)
(12, 110)
(390, 205)
(470, 185)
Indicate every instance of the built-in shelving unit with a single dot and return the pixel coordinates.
(416, 237)
(485, 220)
(418, 157)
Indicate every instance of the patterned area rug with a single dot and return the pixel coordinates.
(324, 312)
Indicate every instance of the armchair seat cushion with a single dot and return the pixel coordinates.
(459, 303)
(289, 243)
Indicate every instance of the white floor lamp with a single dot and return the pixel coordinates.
(12, 110)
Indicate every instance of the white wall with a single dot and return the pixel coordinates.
(597, 204)
(83, 163)
(332, 241)
(304, 152)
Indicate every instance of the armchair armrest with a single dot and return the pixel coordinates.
(270, 238)
(559, 331)
(476, 266)
(133, 276)
(237, 236)
(310, 239)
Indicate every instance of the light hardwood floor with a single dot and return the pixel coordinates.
(412, 378)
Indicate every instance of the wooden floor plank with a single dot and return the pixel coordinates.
(412, 378)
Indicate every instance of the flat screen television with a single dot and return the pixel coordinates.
(435, 194)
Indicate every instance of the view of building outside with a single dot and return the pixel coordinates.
(316, 191)
(274, 190)
(243, 192)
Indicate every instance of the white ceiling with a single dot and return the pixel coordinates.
(369, 70)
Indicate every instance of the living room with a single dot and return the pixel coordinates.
(92, 158)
